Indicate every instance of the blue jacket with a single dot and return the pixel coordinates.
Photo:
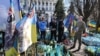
(42, 25)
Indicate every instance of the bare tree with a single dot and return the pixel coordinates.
(84, 7)
(71, 8)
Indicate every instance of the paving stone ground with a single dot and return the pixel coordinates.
(78, 53)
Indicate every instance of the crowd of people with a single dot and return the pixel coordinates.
(57, 30)
(54, 27)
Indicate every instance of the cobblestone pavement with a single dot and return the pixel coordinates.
(79, 53)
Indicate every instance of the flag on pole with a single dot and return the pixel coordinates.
(19, 8)
(7, 10)
(9, 28)
(11, 52)
(11, 6)
(33, 26)
(10, 48)
(69, 19)
(34, 29)
(27, 29)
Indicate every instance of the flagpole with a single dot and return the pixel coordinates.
(30, 5)
(34, 44)
(20, 14)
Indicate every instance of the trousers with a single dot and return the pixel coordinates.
(77, 37)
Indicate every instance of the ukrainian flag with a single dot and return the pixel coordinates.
(69, 19)
(33, 24)
(29, 34)
(19, 8)
(33, 29)
(12, 51)
(13, 8)
(92, 24)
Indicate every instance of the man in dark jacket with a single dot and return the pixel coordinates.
(53, 27)
(60, 30)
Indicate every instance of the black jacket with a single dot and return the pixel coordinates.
(60, 26)
(53, 25)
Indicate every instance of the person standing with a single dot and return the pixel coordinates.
(80, 27)
(53, 27)
(42, 28)
(60, 30)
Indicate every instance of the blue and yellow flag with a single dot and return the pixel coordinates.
(19, 8)
(11, 52)
(34, 30)
(9, 9)
(27, 30)
(12, 44)
(10, 39)
(69, 19)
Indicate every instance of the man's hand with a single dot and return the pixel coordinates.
(84, 34)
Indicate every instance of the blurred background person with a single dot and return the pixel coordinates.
(42, 28)
(53, 28)
(60, 31)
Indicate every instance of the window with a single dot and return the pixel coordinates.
(46, 3)
(35, 8)
(50, 8)
(50, 4)
(35, 2)
(43, 3)
(39, 3)
(39, 8)
(46, 8)
(54, 4)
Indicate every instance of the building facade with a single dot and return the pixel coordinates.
(47, 5)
